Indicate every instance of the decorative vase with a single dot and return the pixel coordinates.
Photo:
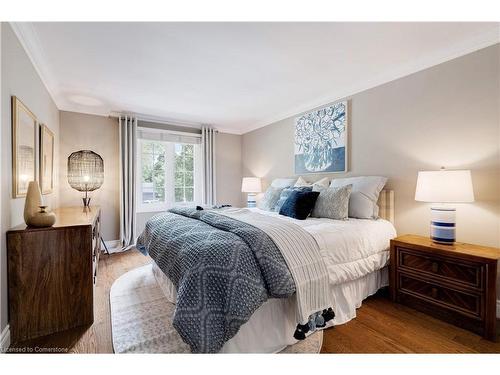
(33, 201)
(42, 218)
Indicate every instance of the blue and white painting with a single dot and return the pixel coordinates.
(321, 140)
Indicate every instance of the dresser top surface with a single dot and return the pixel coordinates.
(67, 217)
(459, 248)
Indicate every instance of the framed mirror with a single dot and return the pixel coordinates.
(46, 160)
(24, 135)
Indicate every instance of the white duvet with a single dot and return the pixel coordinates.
(350, 248)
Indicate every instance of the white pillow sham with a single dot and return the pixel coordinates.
(317, 186)
(283, 182)
(364, 195)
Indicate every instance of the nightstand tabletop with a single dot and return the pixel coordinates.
(425, 243)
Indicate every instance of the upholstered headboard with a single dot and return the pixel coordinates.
(386, 205)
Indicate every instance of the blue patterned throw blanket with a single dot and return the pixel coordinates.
(223, 268)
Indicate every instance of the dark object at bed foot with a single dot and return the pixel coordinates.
(316, 321)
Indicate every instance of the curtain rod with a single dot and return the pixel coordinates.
(158, 120)
(174, 132)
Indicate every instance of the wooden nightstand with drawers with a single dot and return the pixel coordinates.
(456, 283)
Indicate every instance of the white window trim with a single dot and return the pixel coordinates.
(169, 175)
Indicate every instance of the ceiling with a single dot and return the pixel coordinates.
(235, 76)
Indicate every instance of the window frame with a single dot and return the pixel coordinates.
(184, 172)
(148, 207)
(169, 178)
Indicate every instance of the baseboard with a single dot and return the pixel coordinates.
(114, 246)
(5, 339)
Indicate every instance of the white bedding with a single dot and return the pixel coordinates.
(355, 252)
(351, 248)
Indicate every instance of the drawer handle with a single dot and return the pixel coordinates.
(434, 293)
(435, 267)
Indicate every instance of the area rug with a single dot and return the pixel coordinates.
(141, 318)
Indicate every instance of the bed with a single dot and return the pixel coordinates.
(355, 253)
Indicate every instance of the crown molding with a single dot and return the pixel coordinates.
(468, 46)
(28, 37)
(230, 131)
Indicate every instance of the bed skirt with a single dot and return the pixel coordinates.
(271, 327)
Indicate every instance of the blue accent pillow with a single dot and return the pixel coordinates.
(299, 204)
(286, 192)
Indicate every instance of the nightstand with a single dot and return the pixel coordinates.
(455, 283)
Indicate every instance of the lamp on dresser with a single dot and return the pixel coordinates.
(442, 188)
(85, 172)
(252, 186)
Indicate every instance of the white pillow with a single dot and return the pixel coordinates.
(301, 183)
(364, 195)
(321, 184)
(317, 186)
(283, 182)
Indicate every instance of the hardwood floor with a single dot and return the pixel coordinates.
(380, 327)
(97, 337)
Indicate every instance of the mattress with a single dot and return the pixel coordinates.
(355, 252)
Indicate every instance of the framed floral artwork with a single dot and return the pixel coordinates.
(321, 140)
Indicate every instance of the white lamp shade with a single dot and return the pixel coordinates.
(251, 185)
(444, 186)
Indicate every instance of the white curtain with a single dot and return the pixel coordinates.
(208, 144)
(128, 153)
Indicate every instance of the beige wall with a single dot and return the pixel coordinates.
(447, 115)
(19, 78)
(99, 134)
(228, 169)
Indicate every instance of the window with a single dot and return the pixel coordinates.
(153, 172)
(184, 173)
(169, 175)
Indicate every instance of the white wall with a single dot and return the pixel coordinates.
(447, 115)
(20, 78)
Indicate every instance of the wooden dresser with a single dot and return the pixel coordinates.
(456, 283)
(52, 273)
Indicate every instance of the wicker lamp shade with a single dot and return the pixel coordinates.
(85, 170)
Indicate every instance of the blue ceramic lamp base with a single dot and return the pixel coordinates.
(251, 200)
(443, 225)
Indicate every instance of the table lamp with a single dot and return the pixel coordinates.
(444, 187)
(252, 186)
(85, 172)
